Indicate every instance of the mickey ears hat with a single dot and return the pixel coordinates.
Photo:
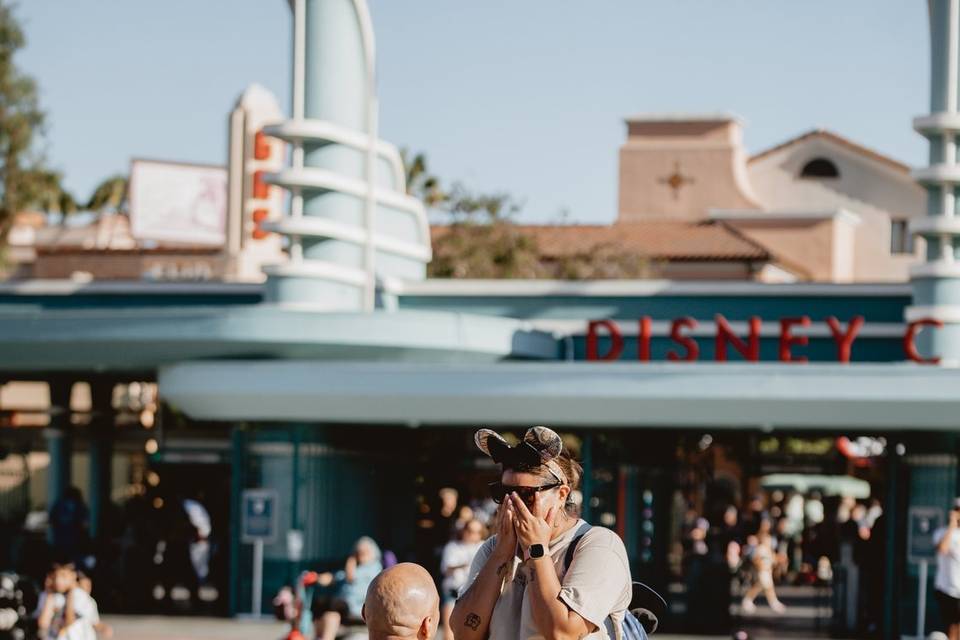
(539, 448)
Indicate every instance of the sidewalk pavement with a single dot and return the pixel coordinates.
(190, 628)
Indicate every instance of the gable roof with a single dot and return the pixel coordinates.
(657, 239)
(836, 139)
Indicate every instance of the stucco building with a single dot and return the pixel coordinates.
(817, 208)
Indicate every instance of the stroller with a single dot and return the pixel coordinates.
(292, 605)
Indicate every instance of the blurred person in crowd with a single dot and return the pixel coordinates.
(102, 628)
(777, 500)
(873, 575)
(947, 581)
(465, 515)
(199, 547)
(69, 519)
(455, 565)
(723, 542)
(733, 537)
(727, 538)
(65, 611)
(438, 522)
(172, 553)
(402, 602)
(137, 546)
(753, 517)
(446, 517)
(874, 511)
(484, 509)
(349, 589)
(813, 509)
(782, 542)
(762, 560)
(793, 512)
(695, 570)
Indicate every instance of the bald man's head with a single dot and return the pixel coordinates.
(402, 602)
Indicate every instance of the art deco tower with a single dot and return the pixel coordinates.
(936, 282)
(353, 231)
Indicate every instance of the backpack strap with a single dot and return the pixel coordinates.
(582, 531)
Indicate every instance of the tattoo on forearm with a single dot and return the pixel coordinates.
(502, 570)
(472, 621)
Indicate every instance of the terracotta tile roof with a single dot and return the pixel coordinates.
(655, 239)
(838, 139)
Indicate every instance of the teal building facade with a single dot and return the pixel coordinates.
(350, 384)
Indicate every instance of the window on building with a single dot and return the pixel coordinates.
(900, 239)
(820, 168)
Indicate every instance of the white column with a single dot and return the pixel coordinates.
(953, 48)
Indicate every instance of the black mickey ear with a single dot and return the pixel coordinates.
(546, 441)
(503, 453)
(648, 620)
(647, 605)
(485, 437)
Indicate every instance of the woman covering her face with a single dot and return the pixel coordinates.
(520, 585)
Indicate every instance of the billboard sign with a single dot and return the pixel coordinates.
(178, 202)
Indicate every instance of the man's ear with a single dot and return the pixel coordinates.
(426, 626)
(363, 612)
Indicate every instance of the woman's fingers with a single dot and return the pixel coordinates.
(521, 508)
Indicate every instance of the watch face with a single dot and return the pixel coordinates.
(536, 551)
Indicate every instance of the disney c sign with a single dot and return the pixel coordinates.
(726, 339)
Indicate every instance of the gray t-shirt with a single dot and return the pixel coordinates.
(596, 585)
(948, 564)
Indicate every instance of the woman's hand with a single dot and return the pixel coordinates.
(532, 529)
(506, 532)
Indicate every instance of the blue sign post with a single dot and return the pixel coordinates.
(922, 523)
(259, 521)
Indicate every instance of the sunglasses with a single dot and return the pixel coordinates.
(499, 491)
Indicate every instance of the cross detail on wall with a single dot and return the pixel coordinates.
(676, 180)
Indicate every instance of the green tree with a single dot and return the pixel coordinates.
(483, 241)
(24, 182)
(109, 195)
(50, 196)
(420, 182)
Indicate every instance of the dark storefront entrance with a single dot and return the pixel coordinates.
(649, 485)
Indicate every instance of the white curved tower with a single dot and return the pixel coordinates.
(352, 228)
(936, 283)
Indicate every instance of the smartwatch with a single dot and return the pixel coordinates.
(536, 551)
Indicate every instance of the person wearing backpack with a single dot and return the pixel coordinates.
(545, 573)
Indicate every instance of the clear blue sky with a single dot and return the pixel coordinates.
(523, 96)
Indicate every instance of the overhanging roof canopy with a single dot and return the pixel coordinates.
(571, 394)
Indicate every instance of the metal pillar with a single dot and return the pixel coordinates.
(586, 482)
(59, 440)
(101, 455)
(237, 461)
(936, 282)
(894, 553)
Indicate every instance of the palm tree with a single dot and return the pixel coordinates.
(45, 191)
(110, 195)
(420, 182)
